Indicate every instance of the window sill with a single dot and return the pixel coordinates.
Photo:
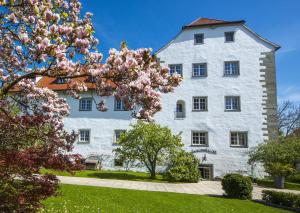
(200, 145)
(198, 43)
(81, 142)
(200, 76)
(179, 118)
(238, 110)
(232, 76)
(229, 41)
(243, 147)
(199, 110)
(81, 110)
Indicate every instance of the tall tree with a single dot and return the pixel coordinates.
(50, 38)
(289, 118)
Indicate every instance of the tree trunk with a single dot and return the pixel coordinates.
(279, 182)
(153, 170)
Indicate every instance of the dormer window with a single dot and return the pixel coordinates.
(229, 36)
(199, 38)
(60, 81)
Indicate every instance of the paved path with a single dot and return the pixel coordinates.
(201, 188)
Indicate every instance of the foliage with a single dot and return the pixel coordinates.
(148, 143)
(52, 39)
(184, 167)
(128, 201)
(281, 198)
(294, 178)
(270, 183)
(237, 186)
(278, 157)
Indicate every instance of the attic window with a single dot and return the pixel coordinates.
(60, 81)
(199, 38)
(229, 36)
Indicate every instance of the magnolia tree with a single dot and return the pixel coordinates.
(51, 38)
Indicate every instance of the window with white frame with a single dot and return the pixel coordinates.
(119, 105)
(84, 136)
(200, 70)
(199, 38)
(239, 139)
(85, 104)
(118, 133)
(232, 103)
(229, 36)
(199, 138)
(231, 68)
(199, 103)
(175, 68)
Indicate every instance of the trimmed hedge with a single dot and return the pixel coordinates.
(237, 186)
(183, 168)
(281, 198)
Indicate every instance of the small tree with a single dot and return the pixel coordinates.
(148, 143)
(278, 158)
(289, 119)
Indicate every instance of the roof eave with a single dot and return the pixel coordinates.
(241, 22)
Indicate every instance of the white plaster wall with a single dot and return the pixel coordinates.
(216, 121)
(214, 52)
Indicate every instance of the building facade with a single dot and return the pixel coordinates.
(225, 105)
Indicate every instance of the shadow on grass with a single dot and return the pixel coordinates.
(124, 176)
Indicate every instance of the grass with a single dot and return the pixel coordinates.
(91, 199)
(106, 174)
(270, 183)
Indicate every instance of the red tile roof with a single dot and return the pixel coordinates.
(205, 22)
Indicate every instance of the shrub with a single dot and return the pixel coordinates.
(281, 198)
(183, 168)
(237, 186)
(294, 178)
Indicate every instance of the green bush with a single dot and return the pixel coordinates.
(183, 168)
(237, 186)
(294, 178)
(281, 198)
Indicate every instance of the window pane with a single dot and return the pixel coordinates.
(199, 69)
(199, 138)
(229, 36)
(238, 139)
(232, 103)
(84, 135)
(198, 38)
(231, 68)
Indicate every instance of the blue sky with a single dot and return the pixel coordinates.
(152, 23)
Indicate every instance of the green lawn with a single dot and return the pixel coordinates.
(105, 174)
(270, 183)
(89, 199)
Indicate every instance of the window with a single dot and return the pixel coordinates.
(84, 135)
(229, 36)
(199, 70)
(118, 133)
(60, 81)
(198, 38)
(91, 79)
(180, 109)
(118, 162)
(232, 103)
(199, 103)
(199, 138)
(175, 68)
(119, 105)
(85, 104)
(231, 68)
(239, 139)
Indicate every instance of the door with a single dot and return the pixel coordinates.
(206, 171)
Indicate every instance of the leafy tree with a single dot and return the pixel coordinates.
(148, 143)
(278, 158)
(53, 39)
(184, 167)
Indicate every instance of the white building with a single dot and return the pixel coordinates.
(225, 105)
